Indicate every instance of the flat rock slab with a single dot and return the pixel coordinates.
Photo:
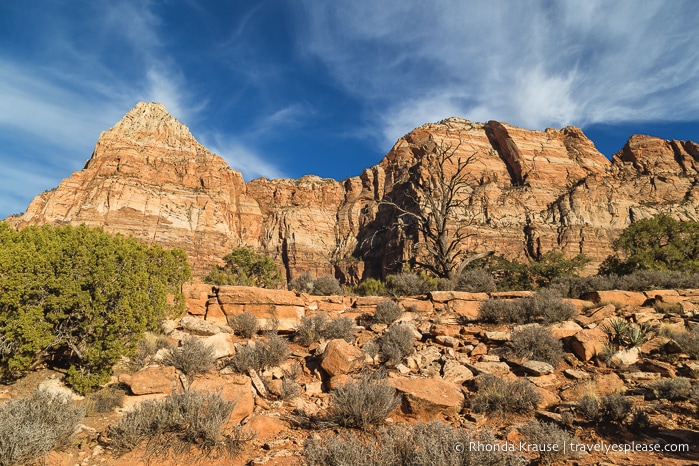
(538, 368)
(428, 398)
(151, 380)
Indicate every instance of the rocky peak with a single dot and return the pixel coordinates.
(150, 178)
(148, 123)
(531, 192)
(650, 155)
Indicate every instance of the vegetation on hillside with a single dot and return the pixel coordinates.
(245, 267)
(81, 298)
(658, 243)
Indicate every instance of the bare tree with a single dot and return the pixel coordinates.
(436, 204)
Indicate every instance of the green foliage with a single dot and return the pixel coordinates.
(658, 243)
(32, 427)
(370, 287)
(514, 275)
(83, 297)
(245, 267)
(624, 334)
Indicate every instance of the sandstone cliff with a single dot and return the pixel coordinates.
(530, 192)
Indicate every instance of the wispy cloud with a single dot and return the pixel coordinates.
(241, 157)
(534, 64)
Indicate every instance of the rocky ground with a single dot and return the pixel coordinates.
(453, 349)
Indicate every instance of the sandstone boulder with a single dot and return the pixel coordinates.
(586, 344)
(427, 399)
(623, 298)
(151, 380)
(341, 357)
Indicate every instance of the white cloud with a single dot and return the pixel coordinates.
(241, 157)
(533, 64)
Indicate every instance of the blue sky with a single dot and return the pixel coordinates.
(286, 88)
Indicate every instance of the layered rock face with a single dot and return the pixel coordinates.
(148, 177)
(529, 192)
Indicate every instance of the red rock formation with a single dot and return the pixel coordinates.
(531, 191)
(148, 177)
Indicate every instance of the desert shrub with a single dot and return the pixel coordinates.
(694, 396)
(244, 324)
(672, 389)
(82, 297)
(327, 285)
(290, 389)
(614, 408)
(549, 434)
(397, 343)
(104, 400)
(546, 306)
(641, 280)
(177, 423)
(409, 284)
(245, 267)
(260, 355)
(667, 308)
(589, 407)
(370, 287)
(417, 445)
(387, 312)
(362, 403)
(32, 427)
(192, 357)
(687, 340)
(371, 348)
(302, 283)
(502, 311)
(319, 327)
(147, 347)
(537, 343)
(475, 281)
(658, 243)
(576, 287)
(499, 396)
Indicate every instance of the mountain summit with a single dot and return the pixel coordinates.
(529, 192)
